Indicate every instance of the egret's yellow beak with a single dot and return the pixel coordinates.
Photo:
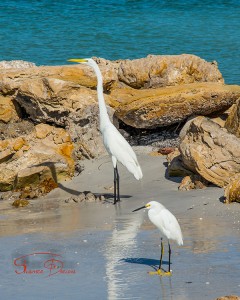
(78, 60)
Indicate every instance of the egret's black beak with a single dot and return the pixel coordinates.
(139, 208)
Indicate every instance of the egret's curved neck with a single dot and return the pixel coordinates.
(104, 118)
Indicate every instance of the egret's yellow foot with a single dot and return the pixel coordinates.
(160, 272)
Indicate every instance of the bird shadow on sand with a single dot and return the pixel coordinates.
(52, 168)
(153, 263)
(109, 197)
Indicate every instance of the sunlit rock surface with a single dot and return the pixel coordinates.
(209, 150)
(49, 114)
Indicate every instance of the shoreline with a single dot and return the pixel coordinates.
(122, 246)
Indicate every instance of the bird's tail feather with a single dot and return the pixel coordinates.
(135, 169)
(180, 241)
(138, 173)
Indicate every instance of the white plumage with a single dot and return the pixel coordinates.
(168, 225)
(120, 150)
(115, 144)
(165, 221)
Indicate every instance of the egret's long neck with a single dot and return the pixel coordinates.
(104, 118)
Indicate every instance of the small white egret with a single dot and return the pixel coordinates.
(169, 227)
(116, 145)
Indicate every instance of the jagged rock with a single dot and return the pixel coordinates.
(35, 163)
(233, 121)
(230, 297)
(232, 190)
(209, 150)
(16, 64)
(146, 93)
(166, 106)
(192, 182)
(166, 70)
(50, 95)
(64, 95)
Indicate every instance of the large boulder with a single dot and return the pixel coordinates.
(209, 150)
(184, 85)
(167, 70)
(59, 96)
(40, 159)
(166, 106)
(144, 93)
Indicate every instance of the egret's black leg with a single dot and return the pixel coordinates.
(169, 257)
(160, 271)
(162, 251)
(118, 180)
(115, 186)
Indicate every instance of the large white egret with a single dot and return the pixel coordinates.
(169, 227)
(115, 144)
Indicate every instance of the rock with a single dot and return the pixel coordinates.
(74, 199)
(35, 163)
(209, 150)
(20, 203)
(89, 197)
(166, 150)
(5, 196)
(81, 197)
(14, 130)
(86, 196)
(192, 182)
(167, 70)
(186, 184)
(233, 121)
(16, 64)
(230, 297)
(53, 95)
(147, 93)
(102, 198)
(175, 165)
(8, 112)
(64, 95)
(177, 169)
(232, 190)
(169, 105)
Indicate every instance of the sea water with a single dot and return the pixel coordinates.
(49, 32)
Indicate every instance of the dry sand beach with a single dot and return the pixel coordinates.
(106, 250)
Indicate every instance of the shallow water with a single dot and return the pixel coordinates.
(50, 32)
(113, 264)
(112, 249)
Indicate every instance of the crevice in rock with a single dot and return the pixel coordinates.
(167, 136)
(21, 111)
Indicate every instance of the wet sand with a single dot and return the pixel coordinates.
(109, 249)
